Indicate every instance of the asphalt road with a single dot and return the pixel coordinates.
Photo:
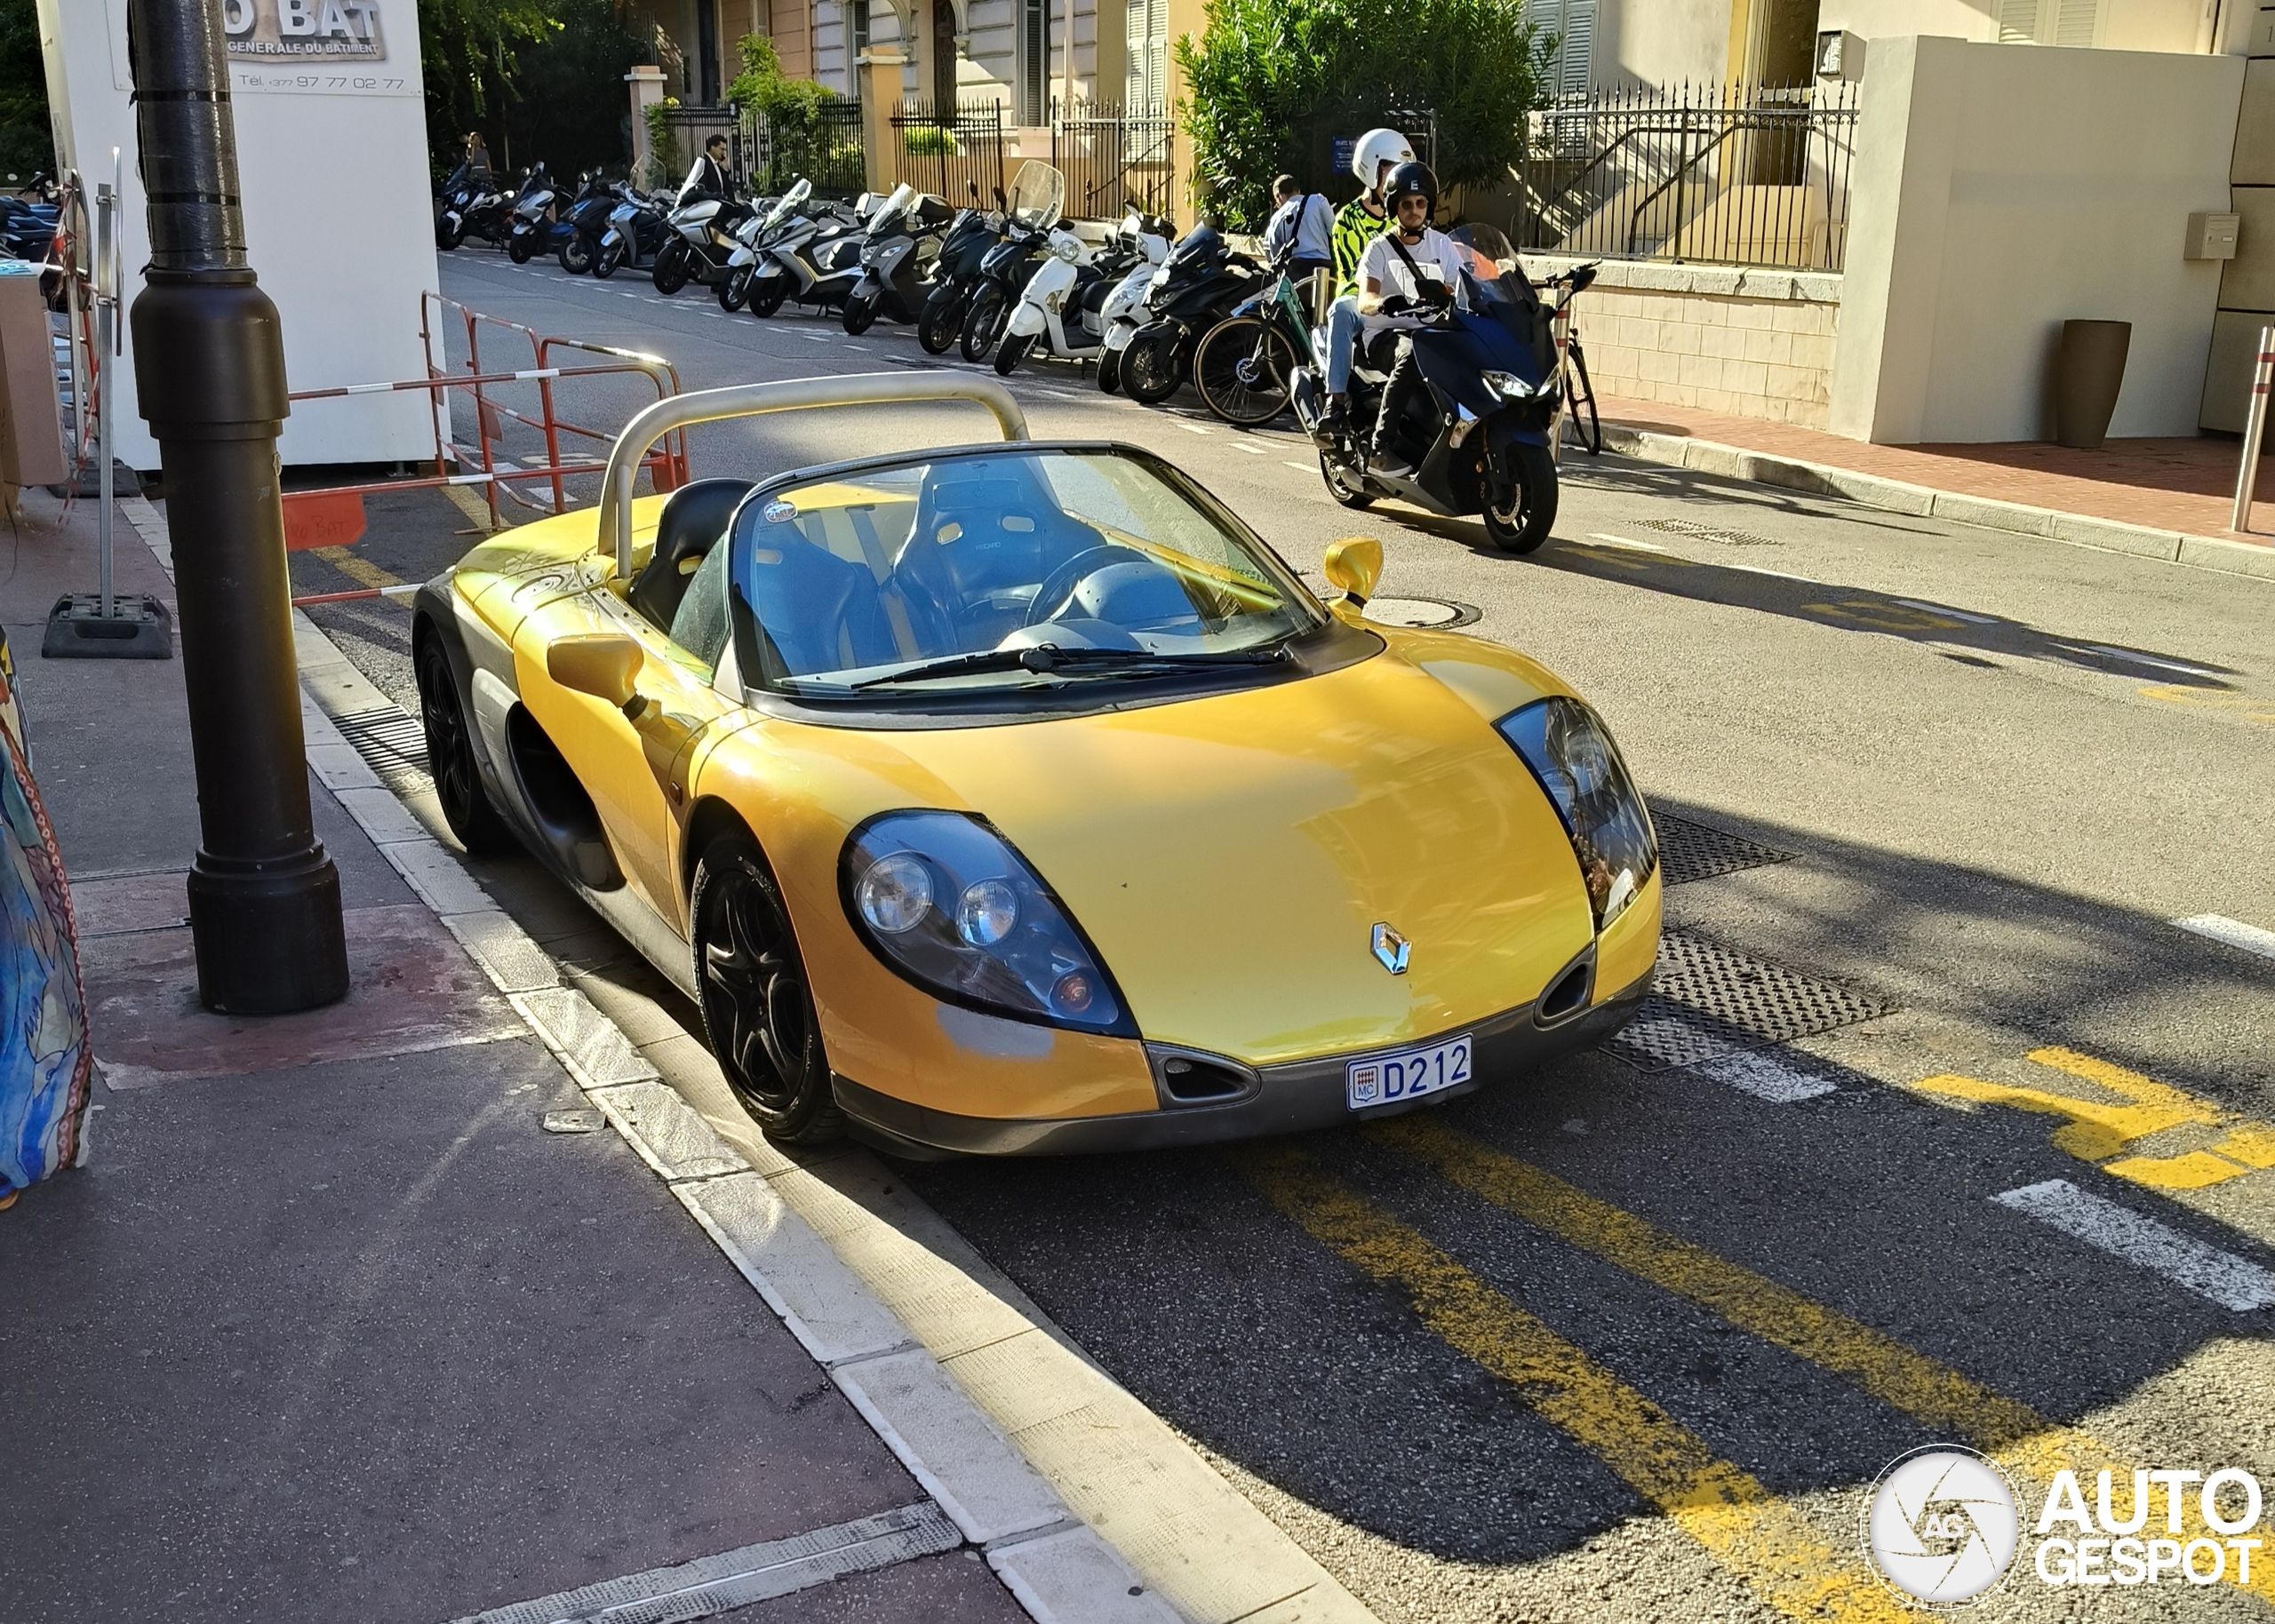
(1490, 1362)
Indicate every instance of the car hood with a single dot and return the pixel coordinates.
(1230, 857)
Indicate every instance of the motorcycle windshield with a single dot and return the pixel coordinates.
(888, 212)
(1200, 244)
(1038, 192)
(788, 203)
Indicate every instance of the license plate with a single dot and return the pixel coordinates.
(1408, 1075)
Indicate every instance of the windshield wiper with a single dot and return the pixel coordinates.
(1044, 658)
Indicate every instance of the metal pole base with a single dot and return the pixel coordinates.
(269, 936)
(137, 628)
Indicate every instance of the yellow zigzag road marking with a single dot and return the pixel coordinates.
(1753, 1533)
(2028, 1445)
(2097, 1129)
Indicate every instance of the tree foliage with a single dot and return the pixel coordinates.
(541, 79)
(1274, 82)
(469, 50)
(790, 108)
(27, 140)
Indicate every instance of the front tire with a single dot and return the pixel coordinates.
(577, 254)
(983, 324)
(758, 1011)
(1150, 371)
(938, 324)
(734, 287)
(519, 248)
(768, 292)
(1012, 351)
(1110, 370)
(669, 273)
(606, 263)
(860, 315)
(449, 233)
(1346, 484)
(1524, 524)
(449, 756)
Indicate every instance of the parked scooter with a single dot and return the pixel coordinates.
(956, 273)
(1478, 429)
(812, 258)
(533, 217)
(1198, 287)
(636, 229)
(701, 241)
(1062, 310)
(457, 198)
(903, 238)
(579, 244)
(1030, 212)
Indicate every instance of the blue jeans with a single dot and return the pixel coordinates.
(1343, 323)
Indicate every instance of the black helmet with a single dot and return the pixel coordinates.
(1410, 179)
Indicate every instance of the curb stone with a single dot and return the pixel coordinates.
(1920, 501)
(825, 1253)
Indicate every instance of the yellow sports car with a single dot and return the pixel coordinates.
(1017, 797)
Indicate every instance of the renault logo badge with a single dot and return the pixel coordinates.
(1391, 950)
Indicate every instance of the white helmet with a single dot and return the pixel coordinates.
(1376, 148)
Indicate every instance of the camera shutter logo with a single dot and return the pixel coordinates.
(1942, 1526)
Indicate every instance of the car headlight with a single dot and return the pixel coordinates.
(944, 901)
(1570, 752)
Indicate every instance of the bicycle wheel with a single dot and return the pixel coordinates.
(1580, 397)
(1241, 370)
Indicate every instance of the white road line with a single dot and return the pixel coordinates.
(1308, 467)
(814, 337)
(1765, 1077)
(1193, 428)
(736, 1578)
(2189, 1263)
(1783, 574)
(1624, 541)
(851, 345)
(1253, 451)
(2149, 660)
(1945, 609)
(2235, 933)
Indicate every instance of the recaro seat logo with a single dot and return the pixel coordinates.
(1942, 1526)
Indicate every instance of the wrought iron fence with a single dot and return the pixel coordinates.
(1114, 158)
(827, 151)
(950, 156)
(1747, 175)
(686, 131)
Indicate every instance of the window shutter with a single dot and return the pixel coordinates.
(1035, 61)
(1573, 57)
(2075, 22)
(2017, 22)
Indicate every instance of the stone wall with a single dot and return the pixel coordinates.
(1750, 343)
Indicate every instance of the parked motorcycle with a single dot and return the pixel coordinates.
(1030, 212)
(1063, 310)
(1478, 431)
(902, 240)
(636, 228)
(956, 273)
(813, 257)
(578, 248)
(533, 217)
(1198, 287)
(29, 221)
(454, 199)
(700, 243)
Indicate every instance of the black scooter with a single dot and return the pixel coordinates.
(586, 220)
(637, 230)
(956, 273)
(895, 252)
(1030, 214)
(1203, 284)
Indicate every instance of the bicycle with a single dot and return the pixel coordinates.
(1244, 365)
(1579, 392)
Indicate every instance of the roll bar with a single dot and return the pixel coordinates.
(680, 412)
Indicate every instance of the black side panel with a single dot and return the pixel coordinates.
(567, 822)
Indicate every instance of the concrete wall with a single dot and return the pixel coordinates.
(339, 220)
(1754, 344)
(1655, 45)
(1999, 190)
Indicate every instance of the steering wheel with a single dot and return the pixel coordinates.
(1062, 580)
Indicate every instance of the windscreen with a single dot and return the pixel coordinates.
(1037, 193)
(860, 580)
(1495, 275)
(886, 212)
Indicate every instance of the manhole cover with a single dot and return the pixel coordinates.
(1706, 532)
(1707, 1000)
(1439, 614)
(1689, 851)
(391, 741)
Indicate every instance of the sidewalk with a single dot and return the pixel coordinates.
(336, 1324)
(2161, 498)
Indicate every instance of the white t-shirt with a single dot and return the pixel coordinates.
(1436, 252)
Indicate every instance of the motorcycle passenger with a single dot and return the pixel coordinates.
(1299, 238)
(707, 178)
(1407, 276)
(1359, 223)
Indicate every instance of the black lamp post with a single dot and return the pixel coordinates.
(209, 365)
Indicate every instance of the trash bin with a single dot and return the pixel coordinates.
(2087, 375)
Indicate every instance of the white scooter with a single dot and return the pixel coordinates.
(1069, 301)
(1125, 311)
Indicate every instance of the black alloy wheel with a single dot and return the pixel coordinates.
(1523, 523)
(1150, 366)
(449, 756)
(768, 291)
(984, 323)
(577, 254)
(734, 287)
(669, 273)
(939, 321)
(1346, 481)
(758, 1011)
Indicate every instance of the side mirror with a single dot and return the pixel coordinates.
(1352, 567)
(604, 665)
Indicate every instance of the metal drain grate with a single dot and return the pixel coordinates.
(1689, 851)
(391, 740)
(1708, 1000)
(1706, 532)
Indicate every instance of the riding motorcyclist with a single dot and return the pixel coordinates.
(1406, 276)
(1356, 225)
(707, 178)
